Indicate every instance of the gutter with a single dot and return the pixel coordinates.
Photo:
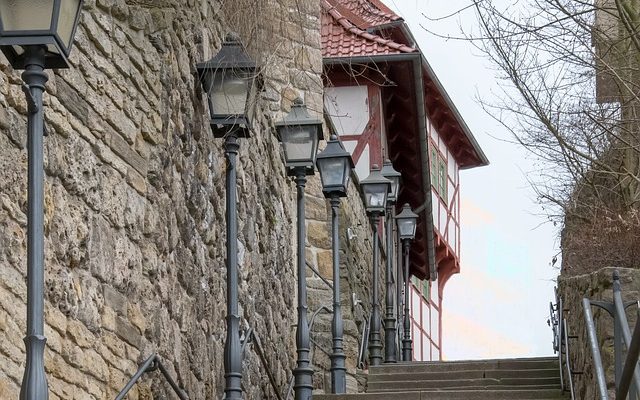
(372, 59)
(426, 176)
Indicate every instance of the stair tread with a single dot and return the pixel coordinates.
(496, 379)
(452, 395)
(468, 388)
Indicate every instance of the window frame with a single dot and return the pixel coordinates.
(439, 170)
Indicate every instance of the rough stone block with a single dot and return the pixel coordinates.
(114, 299)
(325, 264)
(124, 150)
(128, 332)
(73, 101)
(79, 333)
(316, 208)
(318, 234)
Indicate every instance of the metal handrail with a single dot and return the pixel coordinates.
(631, 362)
(312, 322)
(364, 344)
(322, 278)
(621, 316)
(149, 365)
(568, 360)
(561, 344)
(556, 328)
(627, 377)
(595, 349)
(251, 337)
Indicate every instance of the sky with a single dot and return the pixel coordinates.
(498, 305)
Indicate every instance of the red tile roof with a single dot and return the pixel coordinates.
(343, 34)
(372, 12)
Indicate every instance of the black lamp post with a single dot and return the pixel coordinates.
(406, 221)
(228, 78)
(390, 345)
(34, 39)
(300, 134)
(376, 189)
(335, 165)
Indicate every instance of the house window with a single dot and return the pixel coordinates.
(438, 172)
(433, 157)
(425, 289)
(422, 287)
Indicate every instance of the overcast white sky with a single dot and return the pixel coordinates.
(498, 305)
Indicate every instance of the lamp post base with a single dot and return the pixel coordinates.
(34, 382)
(390, 355)
(407, 350)
(375, 344)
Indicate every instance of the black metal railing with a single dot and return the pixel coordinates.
(251, 337)
(149, 365)
(322, 278)
(561, 346)
(364, 344)
(627, 374)
(312, 321)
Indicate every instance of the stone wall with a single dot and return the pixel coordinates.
(595, 286)
(134, 219)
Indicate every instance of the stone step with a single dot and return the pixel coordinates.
(546, 394)
(446, 384)
(499, 379)
(467, 365)
(464, 374)
(468, 387)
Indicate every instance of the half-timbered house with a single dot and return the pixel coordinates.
(385, 101)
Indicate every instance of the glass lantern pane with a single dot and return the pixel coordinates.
(68, 12)
(298, 143)
(406, 227)
(331, 171)
(22, 15)
(228, 92)
(347, 172)
(395, 186)
(375, 195)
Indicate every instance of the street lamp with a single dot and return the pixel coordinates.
(38, 32)
(228, 78)
(231, 82)
(395, 177)
(406, 221)
(335, 165)
(299, 134)
(33, 39)
(390, 345)
(375, 188)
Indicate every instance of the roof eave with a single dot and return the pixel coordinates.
(371, 59)
(483, 160)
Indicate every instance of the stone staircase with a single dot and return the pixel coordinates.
(506, 379)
